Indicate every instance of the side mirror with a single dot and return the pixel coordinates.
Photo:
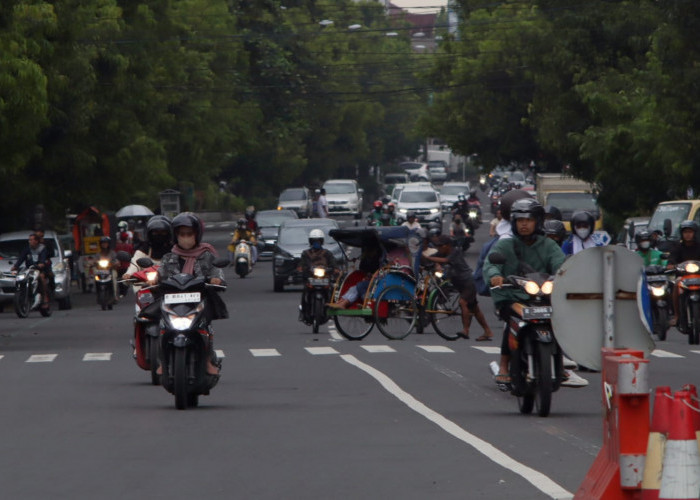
(497, 258)
(123, 256)
(668, 228)
(144, 262)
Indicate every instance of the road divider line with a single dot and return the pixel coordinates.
(435, 348)
(317, 351)
(378, 348)
(264, 352)
(41, 358)
(487, 350)
(540, 481)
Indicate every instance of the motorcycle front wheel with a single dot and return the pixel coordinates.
(660, 326)
(153, 344)
(180, 379)
(543, 376)
(22, 301)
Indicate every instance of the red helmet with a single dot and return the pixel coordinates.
(391, 205)
(378, 204)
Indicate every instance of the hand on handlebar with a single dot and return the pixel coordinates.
(215, 281)
(496, 281)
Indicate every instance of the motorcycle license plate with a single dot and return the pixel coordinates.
(541, 312)
(182, 298)
(318, 281)
(691, 282)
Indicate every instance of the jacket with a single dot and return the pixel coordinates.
(544, 255)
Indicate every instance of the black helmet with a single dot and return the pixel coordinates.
(511, 197)
(410, 214)
(582, 216)
(642, 235)
(434, 229)
(242, 222)
(555, 227)
(526, 208)
(158, 223)
(189, 219)
(105, 239)
(689, 224)
(552, 211)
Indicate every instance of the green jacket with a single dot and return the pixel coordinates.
(544, 255)
(652, 257)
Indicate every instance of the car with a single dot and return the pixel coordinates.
(298, 199)
(417, 171)
(269, 222)
(438, 170)
(626, 236)
(12, 244)
(449, 192)
(292, 241)
(344, 196)
(423, 200)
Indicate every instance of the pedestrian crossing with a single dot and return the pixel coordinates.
(314, 351)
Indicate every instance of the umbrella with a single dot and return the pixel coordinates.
(134, 211)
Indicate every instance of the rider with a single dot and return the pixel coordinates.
(124, 228)
(582, 224)
(391, 212)
(107, 253)
(687, 249)
(252, 226)
(651, 256)
(555, 230)
(529, 246)
(314, 256)
(552, 212)
(460, 206)
(375, 216)
(190, 255)
(159, 236)
(35, 254)
(242, 232)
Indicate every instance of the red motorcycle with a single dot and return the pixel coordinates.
(146, 341)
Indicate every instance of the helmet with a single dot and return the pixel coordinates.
(250, 212)
(377, 204)
(189, 219)
(123, 225)
(689, 224)
(642, 235)
(460, 197)
(555, 227)
(315, 234)
(241, 222)
(552, 211)
(391, 206)
(582, 217)
(158, 223)
(526, 208)
(434, 229)
(410, 214)
(509, 198)
(105, 239)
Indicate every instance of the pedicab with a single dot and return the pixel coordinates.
(389, 300)
(88, 227)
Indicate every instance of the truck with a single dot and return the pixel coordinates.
(454, 164)
(569, 195)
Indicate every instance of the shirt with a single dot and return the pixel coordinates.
(459, 273)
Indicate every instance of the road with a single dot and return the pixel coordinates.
(295, 415)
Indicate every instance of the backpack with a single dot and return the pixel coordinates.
(482, 288)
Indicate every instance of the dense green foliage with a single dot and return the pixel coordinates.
(608, 87)
(108, 102)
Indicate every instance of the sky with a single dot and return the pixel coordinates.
(415, 5)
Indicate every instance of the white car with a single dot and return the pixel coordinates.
(417, 171)
(449, 193)
(344, 196)
(422, 200)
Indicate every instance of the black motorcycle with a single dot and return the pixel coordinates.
(536, 362)
(318, 293)
(104, 284)
(185, 337)
(27, 296)
(660, 292)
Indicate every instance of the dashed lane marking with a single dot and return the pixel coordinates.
(435, 348)
(321, 350)
(97, 356)
(378, 348)
(41, 358)
(333, 331)
(665, 354)
(260, 353)
(487, 350)
(219, 353)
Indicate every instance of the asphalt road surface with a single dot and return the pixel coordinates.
(295, 415)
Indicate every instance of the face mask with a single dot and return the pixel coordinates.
(186, 243)
(316, 245)
(583, 232)
(644, 245)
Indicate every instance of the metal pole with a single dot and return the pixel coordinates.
(609, 297)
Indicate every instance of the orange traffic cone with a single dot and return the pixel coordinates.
(680, 478)
(660, 423)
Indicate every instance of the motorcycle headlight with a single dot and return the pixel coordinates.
(438, 274)
(658, 291)
(182, 322)
(547, 287)
(151, 275)
(531, 287)
(403, 210)
(319, 272)
(103, 263)
(692, 267)
(21, 276)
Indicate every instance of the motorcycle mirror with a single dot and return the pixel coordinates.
(144, 262)
(668, 227)
(497, 258)
(123, 256)
(221, 262)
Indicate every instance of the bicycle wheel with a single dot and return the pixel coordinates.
(354, 327)
(446, 313)
(395, 312)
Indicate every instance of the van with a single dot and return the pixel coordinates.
(674, 212)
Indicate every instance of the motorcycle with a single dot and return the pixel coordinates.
(318, 290)
(104, 286)
(474, 213)
(185, 337)
(465, 240)
(146, 342)
(27, 296)
(242, 258)
(482, 182)
(536, 362)
(688, 281)
(660, 291)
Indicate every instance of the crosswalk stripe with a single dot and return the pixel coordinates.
(487, 349)
(665, 354)
(264, 352)
(696, 352)
(435, 348)
(219, 353)
(41, 358)
(321, 350)
(378, 348)
(97, 356)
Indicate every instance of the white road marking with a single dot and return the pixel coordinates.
(97, 356)
(696, 352)
(321, 350)
(665, 354)
(2, 356)
(258, 353)
(334, 332)
(487, 349)
(41, 358)
(219, 353)
(536, 478)
(378, 348)
(435, 348)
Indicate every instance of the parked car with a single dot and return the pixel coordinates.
(344, 196)
(298, 199)
(438, 170)
(421, 199)
(12, 244)
(269, 222)
(449, 192)
(292, 241)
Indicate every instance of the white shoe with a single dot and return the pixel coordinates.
(573, 380)
(570, 364)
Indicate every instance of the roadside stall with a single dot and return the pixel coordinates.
(89, 226)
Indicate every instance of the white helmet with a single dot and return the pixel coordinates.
(316, 234)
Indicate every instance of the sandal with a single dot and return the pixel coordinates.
(484, 338)
(502, 378)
